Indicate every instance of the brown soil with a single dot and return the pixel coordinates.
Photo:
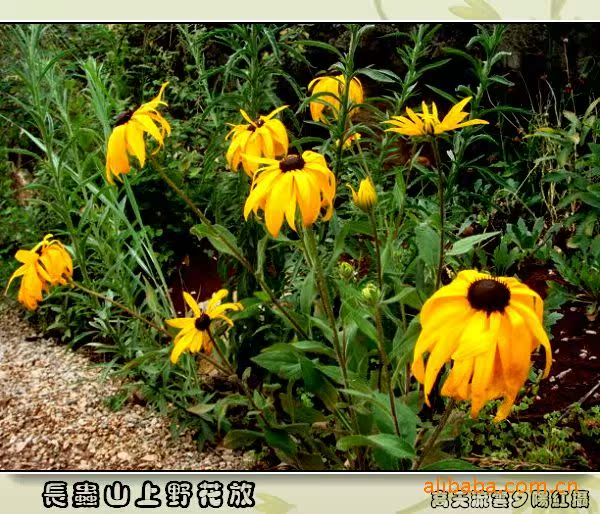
(575, 360)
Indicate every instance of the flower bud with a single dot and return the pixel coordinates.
(366, 197)
(345, 271)
(371, 293)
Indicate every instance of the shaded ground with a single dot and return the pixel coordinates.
(53, 415)
(575, 373)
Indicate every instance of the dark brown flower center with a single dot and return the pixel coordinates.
(488, 295)
(124, 117)
(202, 322)
(259, 123)
(291, 162)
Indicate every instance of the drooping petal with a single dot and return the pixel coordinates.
(215, 299)
(278, 201)
(474, 340)
(439, 356)
(484, 367)
(533, 324)
(192, 304)
(181, 346)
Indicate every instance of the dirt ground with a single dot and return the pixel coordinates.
(54, 416)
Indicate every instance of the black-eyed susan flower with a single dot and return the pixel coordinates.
(366, 196)
(428, 122)
(263, 137)
(47, 263)
(127, 138)
(328, 92)
(487, 327)
(296, 181)
(194, 332)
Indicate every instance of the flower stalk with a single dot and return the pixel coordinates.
(442, 207)
(430, 443)
(314, 261)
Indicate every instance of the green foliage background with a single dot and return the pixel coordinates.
(522, 192)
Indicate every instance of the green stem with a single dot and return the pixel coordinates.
(377, 249)
(234, 251)
(313, 258)
(436, 433)
(220, 353)
(387, 382)
(441, 200)
(121, 306)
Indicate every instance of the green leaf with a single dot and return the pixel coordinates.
(317, 384)
(380, 75)
(449, 465)
(223, 240)
(320, 44)
(428, 243)
(282, 361)
(240, 438)
(281, 440)
(591, 198)
(443, 94)
(201, 408)
(313, 347)
(468, 243)
(390, 443)
(363, 324)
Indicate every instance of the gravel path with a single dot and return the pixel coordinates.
(53, 415)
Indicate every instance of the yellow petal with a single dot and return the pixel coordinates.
(439, 356)
(278, 201)
(475, 338)
(274, 112)
(180, 322)
(181, 346)
(215, 299)
(484, 367)
(148, 126)
(307, 197)
(192, 304)
(535, 327)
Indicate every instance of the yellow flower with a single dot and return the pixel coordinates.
(488, 327)
(366, 197)
(304, 181)
(264, 137)
(194, 332)
(127, 138)
(47, 263)
(328, 92)
(426, 122)
(349, 140)
(56, 261)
